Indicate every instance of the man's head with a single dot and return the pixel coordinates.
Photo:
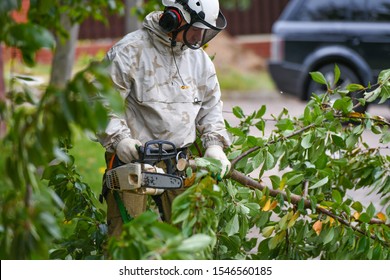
(198, 21)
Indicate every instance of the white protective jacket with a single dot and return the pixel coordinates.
(158, 106)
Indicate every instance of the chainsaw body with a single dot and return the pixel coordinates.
(142, 176)
(129, 177)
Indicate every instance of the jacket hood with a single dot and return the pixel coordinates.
(160, 39)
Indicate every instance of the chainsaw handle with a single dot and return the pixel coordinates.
(154, 151)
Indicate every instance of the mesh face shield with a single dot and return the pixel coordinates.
(199, 32)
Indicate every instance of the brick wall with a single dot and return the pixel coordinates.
(258, 19)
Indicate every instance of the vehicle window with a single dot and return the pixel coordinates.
(379, 10)
(358, 10)
(331, 10)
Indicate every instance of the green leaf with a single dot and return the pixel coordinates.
(357, 206)
(237, 111)
(243, 209)
(385, 137)
(301, 205)
(195, 243)
(322, 161)
(254, 207)
(372, 95)
(236, 131)
(337, 196)
(182, 216)
(320, 183)
(319, 78)
(352, 140)
(285, 124)
(232, 226)
(384, 76)
(329, 236)
(275, 180)
(269, 161)
(336, 74)
(354, 87)
(283, 222)
(276, 240)
(257, 159)
(306, 141)
(338, 141)
(296, 179)
(307, 115)
(260, 125)
(231, 242)
(362, 245)
(267, 231)
(371, 210)
(264, 218)
(364, 218)
(30, 37)
(260, 113)
(344, 104)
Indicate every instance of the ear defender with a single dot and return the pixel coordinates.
(170, 20)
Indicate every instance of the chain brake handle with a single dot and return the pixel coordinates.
(153, 151)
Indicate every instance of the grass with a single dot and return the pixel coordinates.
(233, 80)
(89, 160)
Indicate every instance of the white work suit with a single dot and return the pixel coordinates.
(164, 100)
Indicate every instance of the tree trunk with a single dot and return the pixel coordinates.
(64, 54)
(2, 93)
(131, 22)
(2, 85)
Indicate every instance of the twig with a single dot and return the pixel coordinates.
(377, 119)
(237, 159)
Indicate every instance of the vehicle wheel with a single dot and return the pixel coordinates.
(347, 76)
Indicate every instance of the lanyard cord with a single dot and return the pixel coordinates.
(178, 71)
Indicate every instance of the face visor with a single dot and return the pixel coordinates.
(198, 32)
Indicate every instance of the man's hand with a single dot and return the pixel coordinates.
(127, 150)
(216, 152)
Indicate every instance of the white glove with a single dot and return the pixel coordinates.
(152, 191)
(216, 152)
(151, 168)
(127, 150)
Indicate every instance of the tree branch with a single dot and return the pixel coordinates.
(295, 199)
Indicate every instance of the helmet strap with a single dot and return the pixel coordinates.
(177, 31)
(173, 39)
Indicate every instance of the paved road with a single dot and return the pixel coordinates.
(275, 102)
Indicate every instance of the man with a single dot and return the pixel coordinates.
(170, 90)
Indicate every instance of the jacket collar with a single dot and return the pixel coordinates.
(160, 39)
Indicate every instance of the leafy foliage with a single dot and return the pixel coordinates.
(295, 207)
(36, 147)
(303, 212)
(321, 155)
(44, 24)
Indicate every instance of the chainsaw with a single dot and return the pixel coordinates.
(142, 176)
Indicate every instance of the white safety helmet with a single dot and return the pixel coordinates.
(199, 14)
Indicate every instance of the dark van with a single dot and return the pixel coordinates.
(314, 35)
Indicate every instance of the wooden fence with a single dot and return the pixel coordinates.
(258, 19)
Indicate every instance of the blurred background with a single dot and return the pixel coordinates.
(240, 51)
